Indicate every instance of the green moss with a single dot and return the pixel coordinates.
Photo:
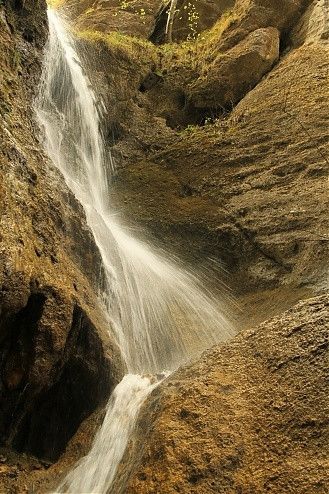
(135, 48)
(180, 64)
(184, 62)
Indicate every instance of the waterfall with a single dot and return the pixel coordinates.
(160, 314)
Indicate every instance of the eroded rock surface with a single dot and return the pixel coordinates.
(250, 189)
(250, 416)
(57, 361)
(245, 184)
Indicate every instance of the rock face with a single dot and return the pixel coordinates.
(230, 76)
(130, 17)
(255, 14)
(249, 189)
(190, 19)
(244, 183)
(57, 361)
(251, 416)
(221, 147)
(314, 25)
(146, 18)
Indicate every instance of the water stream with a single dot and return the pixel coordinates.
(159, 313)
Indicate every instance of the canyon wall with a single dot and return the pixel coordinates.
(57, 361)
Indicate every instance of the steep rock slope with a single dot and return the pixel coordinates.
(244, 184)
(250, 416)
(249, 188)
(220, 150)
(54, 345)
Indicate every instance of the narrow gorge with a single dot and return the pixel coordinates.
(164, 301)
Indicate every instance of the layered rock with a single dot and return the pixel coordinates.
(58, 363)
(249, 416)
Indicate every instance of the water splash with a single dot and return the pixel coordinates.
(111, 440)
(160, 313)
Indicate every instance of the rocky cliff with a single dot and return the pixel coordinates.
(217, 141)
(54, 345)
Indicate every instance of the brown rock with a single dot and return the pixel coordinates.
(243, 418)
(58, 362)
(230, 76)
(250, 189)
(250, 15)
(191, 19)
(130, 17)
(314, 25)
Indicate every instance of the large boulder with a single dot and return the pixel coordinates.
(230, 76)
(249, 15)
(250, 416)
(129, 17)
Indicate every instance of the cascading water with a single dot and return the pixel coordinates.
(160, 314)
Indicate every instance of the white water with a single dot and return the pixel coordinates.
(111, 440)
(159, 313)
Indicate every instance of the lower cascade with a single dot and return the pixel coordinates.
(160, 314)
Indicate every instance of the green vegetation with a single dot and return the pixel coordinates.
(180, 64)
(136, 49)
(186, 61)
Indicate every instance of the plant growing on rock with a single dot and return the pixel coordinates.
(170, 20)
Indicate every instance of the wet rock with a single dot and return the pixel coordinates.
(245, 171)
(242, 418)
(221, 181)
(230, 76)
(29, 17)
(57, 360)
